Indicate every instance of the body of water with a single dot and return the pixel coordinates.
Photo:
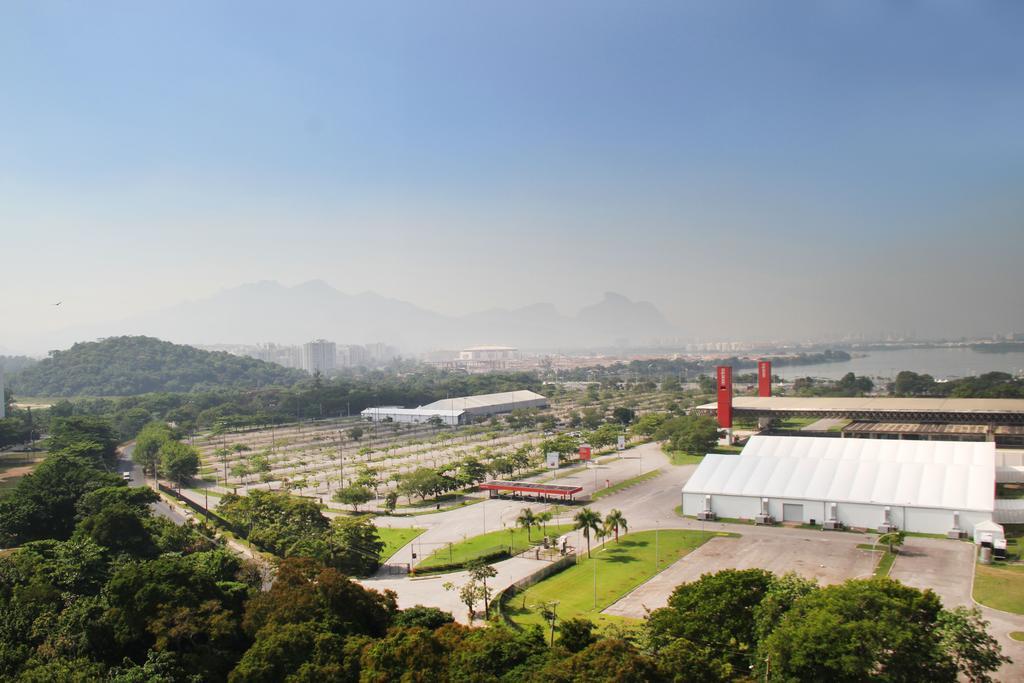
(948, 363)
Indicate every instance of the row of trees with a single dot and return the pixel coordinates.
(159, 453)
(988, 385)
(289, 526)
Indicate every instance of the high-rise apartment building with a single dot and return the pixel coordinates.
(319, 355)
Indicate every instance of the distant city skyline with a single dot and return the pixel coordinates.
(756, 171)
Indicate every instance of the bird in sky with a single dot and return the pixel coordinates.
(58, 303)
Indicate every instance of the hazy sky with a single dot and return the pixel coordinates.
(757, 170)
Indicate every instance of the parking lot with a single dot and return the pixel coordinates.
(827, 557)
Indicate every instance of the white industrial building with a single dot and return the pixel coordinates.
(459, 410)
(410, 415)
(933, 487)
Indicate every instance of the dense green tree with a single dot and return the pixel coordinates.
(783, 592)
(306, 591)
(148, 443)
(966, 641)
(608, 659)
(605, 435)
(353, 495)
(421, 482)
(89, 437)
(493, 653)
(689, 433)
(275, 520)
(682, 661)
(409, 655)
(120, 528)
(874, 629)
(623, 415)
(178, 461)
(426, 617)
(279, 650)
(42, 505)
(576, 634)
(716, 611)
(356, 546)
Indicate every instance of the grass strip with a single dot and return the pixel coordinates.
(620, 567)
(1000, 586)
(477, 546)
(615, 488)
(395, 538)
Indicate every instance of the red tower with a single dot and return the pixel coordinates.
(724, 374)
(764, 378)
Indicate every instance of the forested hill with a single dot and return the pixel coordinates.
(125, 366)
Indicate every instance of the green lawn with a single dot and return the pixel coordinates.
(885, 560)
(1009, 490)
(1000, 587)
(681, 458)
(684, 458)
(615, 488)
(395, 538)
(794, 423)
(485, 544)
(621, 567)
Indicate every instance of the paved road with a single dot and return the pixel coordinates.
(161, 507)
(430, 590)
(496, 513)
(947, 567)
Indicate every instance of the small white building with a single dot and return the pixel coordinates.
(410, 415)
(919, 486)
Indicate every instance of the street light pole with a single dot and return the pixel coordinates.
(594, 562)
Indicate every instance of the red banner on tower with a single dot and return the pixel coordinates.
(764, 378)
(724, 374)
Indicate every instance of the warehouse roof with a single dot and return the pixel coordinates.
(873, 404)
(932, 474)
(484, 400)
(915, 428)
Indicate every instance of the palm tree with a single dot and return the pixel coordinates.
(616, 520)
(527, 520)
(543, 518)
(587, 520)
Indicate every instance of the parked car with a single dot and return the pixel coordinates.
(127, 476)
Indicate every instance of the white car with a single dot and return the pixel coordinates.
(127, 476)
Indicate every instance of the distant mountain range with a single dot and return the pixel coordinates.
(268, 311)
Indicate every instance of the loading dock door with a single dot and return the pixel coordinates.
(792, 512)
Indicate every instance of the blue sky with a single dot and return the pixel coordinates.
(856, 165)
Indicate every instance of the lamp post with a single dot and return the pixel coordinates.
(657, 548)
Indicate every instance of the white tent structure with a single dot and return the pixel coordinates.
(921, 486)
(459, 410)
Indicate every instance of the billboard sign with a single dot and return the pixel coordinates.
(622, 442)
(584, 451)
(552, 461)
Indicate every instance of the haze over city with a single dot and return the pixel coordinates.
(755, 171)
